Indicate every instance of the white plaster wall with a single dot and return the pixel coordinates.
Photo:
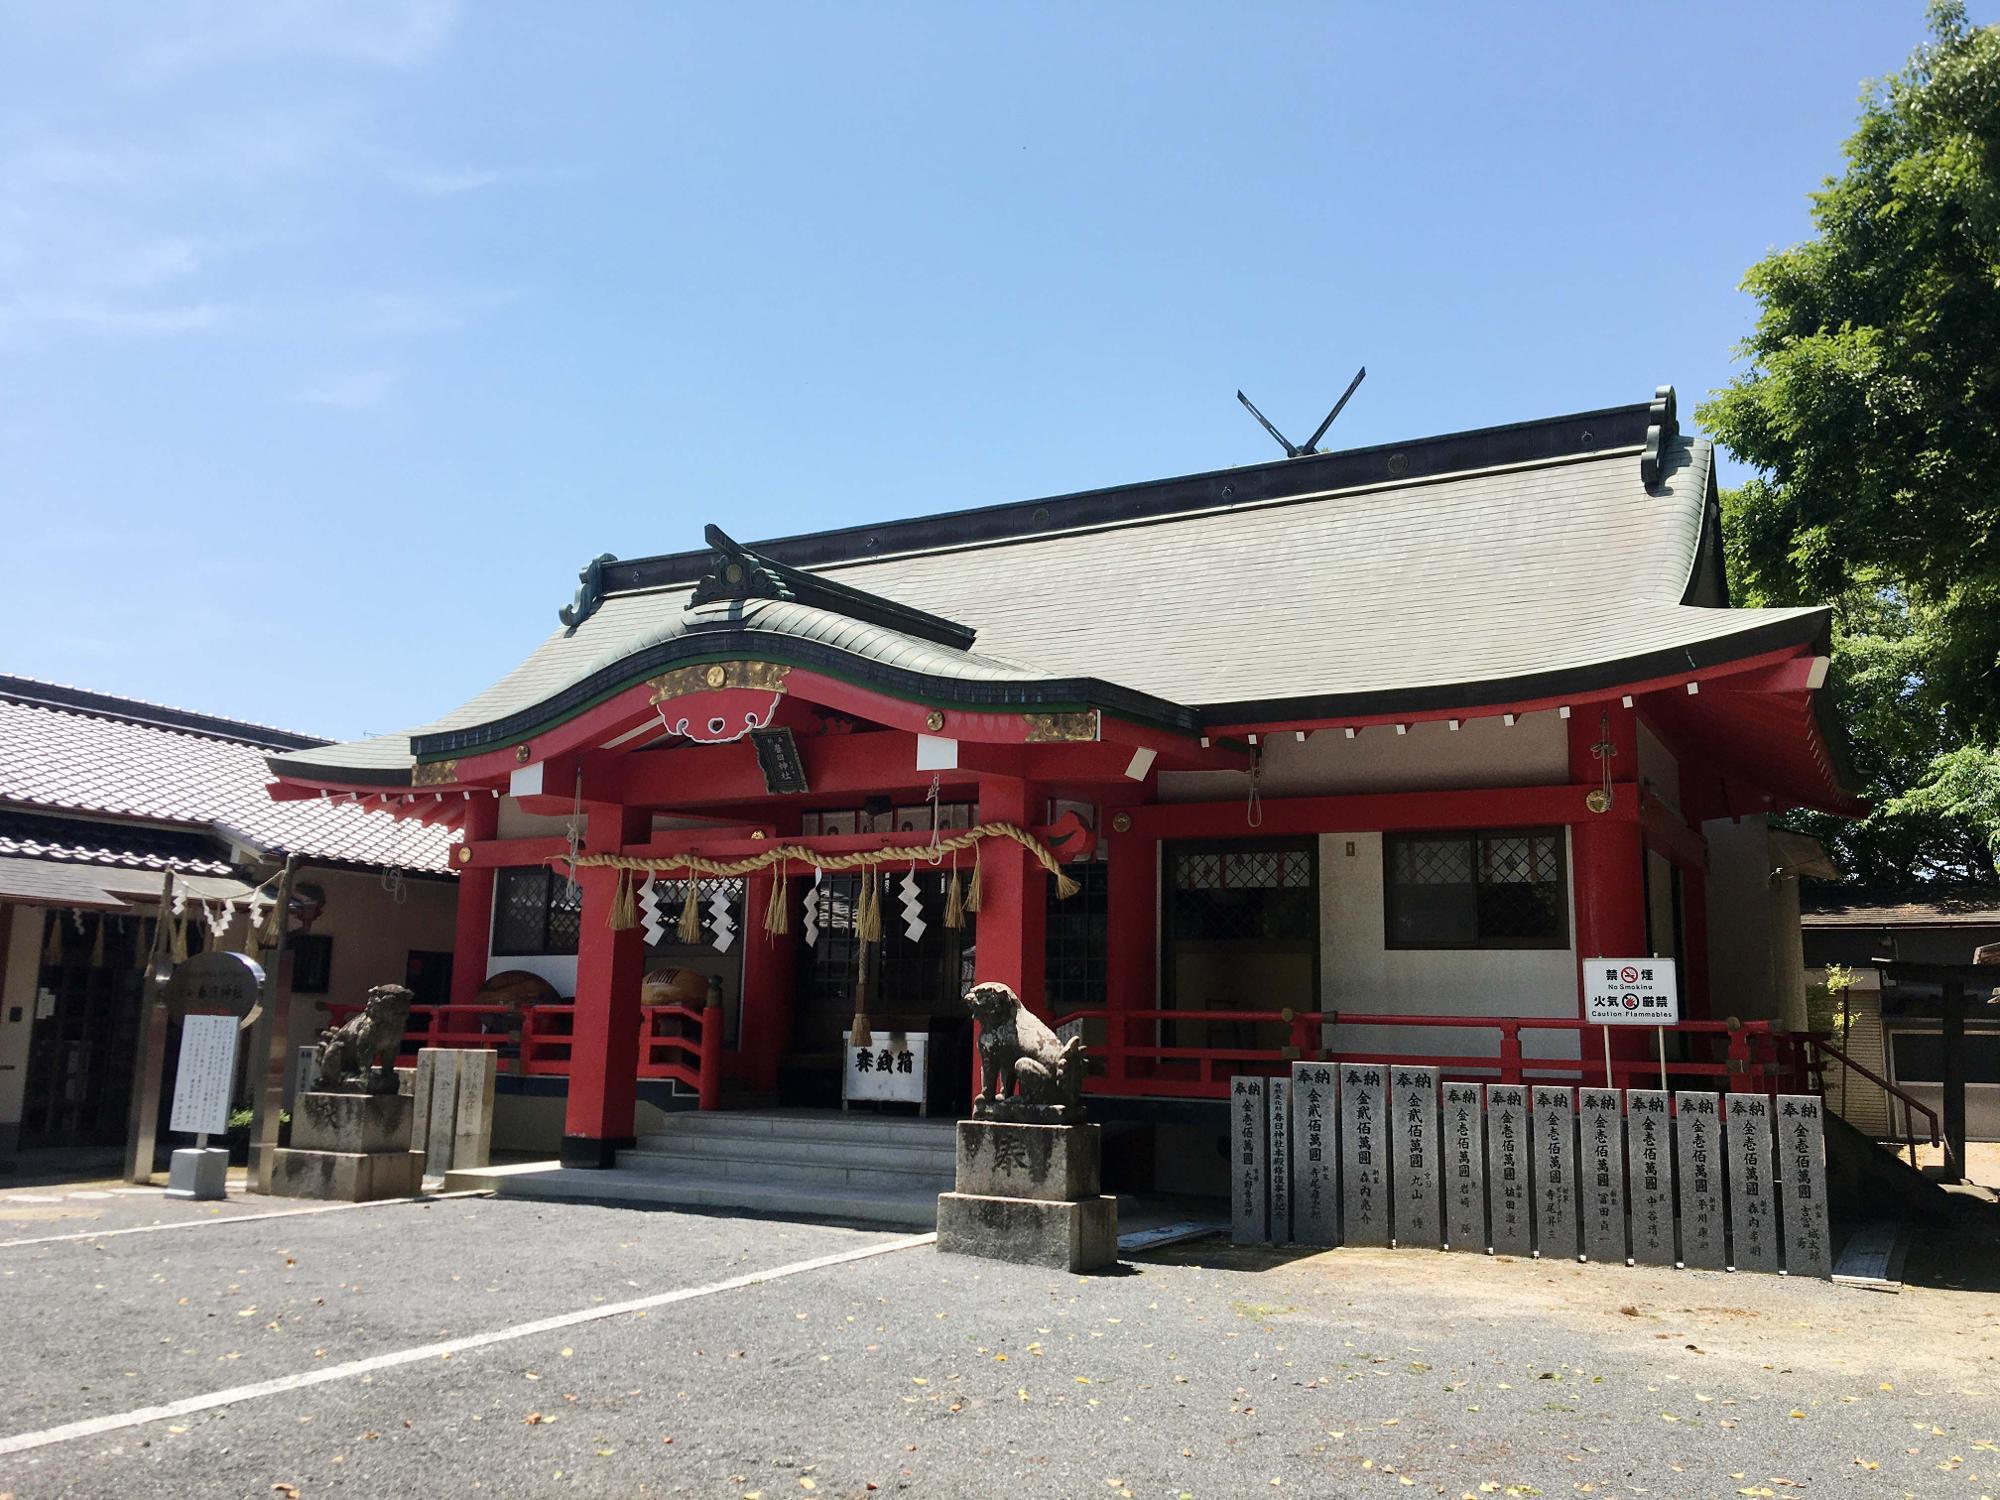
(1743, 918)
(1358, 973)
(1480, 753)
(17, 988)
(516, 824)
(1657, 768)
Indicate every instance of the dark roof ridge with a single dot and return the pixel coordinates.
(1605, 430)
(60, 696)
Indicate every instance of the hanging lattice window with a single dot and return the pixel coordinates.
(535, 910)
(1075, 944)
(1264, 892)
(1503, 888)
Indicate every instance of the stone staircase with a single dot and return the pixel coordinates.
(808, 1164)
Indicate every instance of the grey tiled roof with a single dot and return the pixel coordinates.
(1478, 587)
(107, 766)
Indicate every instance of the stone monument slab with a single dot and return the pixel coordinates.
(1802, 1185)
(1364, 1158)
(1649, 1167)
(1554, 1129)
(1698, 1128)
(1465, 1170)
(1413, 1098)
(1507, 1168)
(1601, 1132)
(1052, 1163)
(1315, 1181)
(1753, 1227)
(1278, 1146)
(1249, 1176)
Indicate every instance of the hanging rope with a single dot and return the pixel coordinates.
(689, 927)
(725, 869)
(777, 915)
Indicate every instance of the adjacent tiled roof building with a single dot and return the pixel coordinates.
(92, 781)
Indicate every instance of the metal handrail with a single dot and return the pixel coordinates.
(1909, 1101)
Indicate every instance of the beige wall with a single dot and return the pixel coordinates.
(1755, 947)
(1359, 973)
(17, 989)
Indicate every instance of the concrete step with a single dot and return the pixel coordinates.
(812, 1125)
(781, 1169)
(795, 1151)
(903, 1209)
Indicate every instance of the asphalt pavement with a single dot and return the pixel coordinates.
(396, 1350)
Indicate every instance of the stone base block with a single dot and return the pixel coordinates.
(1079, 1236)
(197, 1172)
(351, 1123)
(1052, 1163)
(346, 1176)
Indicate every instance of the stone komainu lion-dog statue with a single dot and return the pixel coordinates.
(1016, 1048)
(359, 1055)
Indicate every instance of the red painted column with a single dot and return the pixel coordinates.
(1608, 868)
(472, 938)
(604, 1051)
(1013, 917)
(1131, 946)
(767, 985)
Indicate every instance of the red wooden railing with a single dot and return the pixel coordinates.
(678, 1042)
(1740, 1056)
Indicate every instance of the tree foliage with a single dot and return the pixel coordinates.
(1871, 408)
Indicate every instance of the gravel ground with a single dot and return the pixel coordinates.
(1201, 1371)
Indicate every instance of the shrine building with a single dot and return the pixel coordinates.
(1349, 755)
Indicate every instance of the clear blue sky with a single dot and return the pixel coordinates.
(335, 337)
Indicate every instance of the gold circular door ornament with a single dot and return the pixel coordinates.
(934, 721)
(1121, 822)
(522, 754)
(464, 855)
(716, 675)
(1598, 800)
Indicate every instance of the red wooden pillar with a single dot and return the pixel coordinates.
(1013, 915)
(472, 938)
(1131, 947)
(604, 1051)
(767, 986)
(1608, 864)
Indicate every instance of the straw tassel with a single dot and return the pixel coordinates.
(624, 914)
(1065, 886)
(777, 915)
(689, 927)
(268, 937)
(972, 891)
(180, 941)
(954, 901)
(871, 906)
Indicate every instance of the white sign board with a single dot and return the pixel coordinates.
(891, 1067)
(1631, 992)
(207, 1072)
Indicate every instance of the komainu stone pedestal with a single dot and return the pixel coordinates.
(349, 1147)
(1029, 1194)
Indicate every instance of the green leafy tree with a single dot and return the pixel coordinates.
(1871, 408)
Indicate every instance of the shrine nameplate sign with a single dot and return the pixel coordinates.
(1507, 1168)
(216, 982)
(1278, 1101)
(1554, 1128)
(1413, 1100)
(1753, 1229)
(206, 1075)
(1465, 1170)
(892, 1068)
(1250, 1205)
(1630, 992)
(1315, 1184)
(1649, 1158)
(1802, 1185)
(1601, 1135)
(1698, 1126)
(1364, 1177)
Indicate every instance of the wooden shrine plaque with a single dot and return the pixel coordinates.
(1753, 1226)
(1364, 1162)
(1802, 1185)
(1649, 1167)
(1464, 1154)
(1601, 1157)
(1554, 1129)
(1315, 1181)
(1413, 1104)
(1507, 1190)
(1249, 1130)
(1278, 1104)
(1698, 1128)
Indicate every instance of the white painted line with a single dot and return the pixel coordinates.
(138, 1192)
(116, 1422)
(90, 1195)
(210, 1223)
(30, 1198)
